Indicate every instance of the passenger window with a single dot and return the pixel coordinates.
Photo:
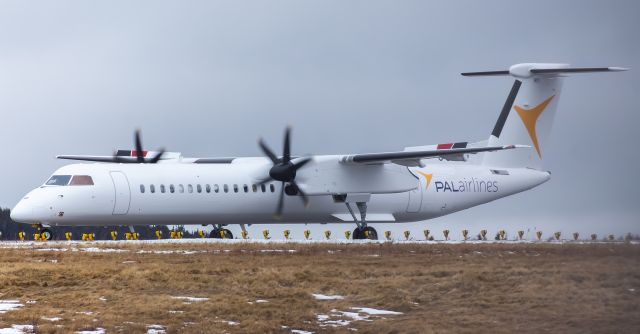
(162, 188)
(181, 188)
(216, 188)
(245, 188)
(142, 188)
(190, 188)
(235, 188)
(58, 180)
(254, 187)
(272, 188)
(199, 188)
(207, 188)
(81, 180)
(263, 187)
(152, 188)
(226, 188)
(172, 189)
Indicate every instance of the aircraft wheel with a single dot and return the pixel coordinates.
(357, 234)
(215, 234)
(373, 234)
(227, 234)
(46, 234)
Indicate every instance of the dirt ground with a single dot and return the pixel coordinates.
(267, 288)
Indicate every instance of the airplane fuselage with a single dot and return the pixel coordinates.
(183, 194)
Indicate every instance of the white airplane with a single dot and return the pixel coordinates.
(419, 183)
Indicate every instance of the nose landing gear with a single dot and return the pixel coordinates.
(46, 234)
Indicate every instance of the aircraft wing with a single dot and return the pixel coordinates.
(412, 158)
(96, 158)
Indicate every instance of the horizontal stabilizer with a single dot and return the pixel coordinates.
(532, 69)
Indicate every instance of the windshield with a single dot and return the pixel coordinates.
(58, 180)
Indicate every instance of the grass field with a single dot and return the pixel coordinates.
(257, 288)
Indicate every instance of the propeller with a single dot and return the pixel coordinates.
(284, 170)
(139, 158)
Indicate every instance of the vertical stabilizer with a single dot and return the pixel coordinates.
(527, 115)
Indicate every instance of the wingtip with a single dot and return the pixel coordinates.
(618, 69)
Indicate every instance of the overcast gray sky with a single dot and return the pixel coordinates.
(207, 78)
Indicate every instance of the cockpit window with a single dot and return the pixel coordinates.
(58, 180)
(81, 180)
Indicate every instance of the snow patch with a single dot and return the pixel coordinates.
(9, 305)
(318, 296)
(300, 331)
(95, 331)
(17, 329)
(261, 301)
(373, 311)
(155, 329)
(51, 319)
(189, 300)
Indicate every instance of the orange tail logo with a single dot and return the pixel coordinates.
(427, 178)
(530, 118)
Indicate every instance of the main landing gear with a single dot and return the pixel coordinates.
(220, 233)
(362, 231)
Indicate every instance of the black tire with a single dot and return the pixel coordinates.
(227, 234)
(215, 234)
(46, 234)
(357, 234)
(373, 234)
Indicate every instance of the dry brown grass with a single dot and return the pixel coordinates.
(438, 287)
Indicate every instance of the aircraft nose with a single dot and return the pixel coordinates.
(22, 212)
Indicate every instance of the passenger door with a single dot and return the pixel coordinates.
(122, 193)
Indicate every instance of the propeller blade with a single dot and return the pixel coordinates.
(139, 151)
(301, 162)
(286, 155)
(267, 151)
(278, 213)
(303, 195)
(157, 157)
